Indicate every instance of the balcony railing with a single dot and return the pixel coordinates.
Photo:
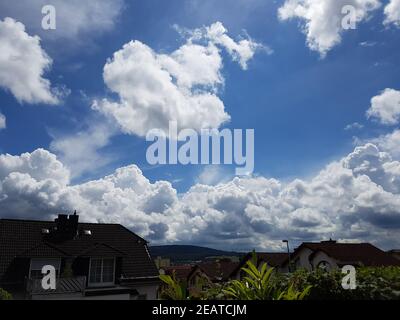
(63, 286)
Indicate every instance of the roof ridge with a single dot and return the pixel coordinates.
(47, 221)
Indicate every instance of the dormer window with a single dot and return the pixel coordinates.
(102, 272)
(35, 270)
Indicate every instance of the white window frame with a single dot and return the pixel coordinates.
(50, 264)
(101, 284)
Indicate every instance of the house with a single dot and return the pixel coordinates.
(395, 254)
(202, 274)
(92, 261)
(331, 254)
(274, 260)
(217, 271)
(162, 263)
(180, 273)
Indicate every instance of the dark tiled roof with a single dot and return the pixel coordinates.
(24, 238)
(181, 272)
(353, 253)
(43, 249)
(102, 250)
(218, 270)
(273, 259)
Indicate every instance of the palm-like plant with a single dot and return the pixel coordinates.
(173, 289)
(261, 285)
(4, 295)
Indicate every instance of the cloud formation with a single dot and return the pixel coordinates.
(241, 51)
(356, 198)
(392, 12)
(385, 107)
(23, 63)
(354, 126)
(3, 124)
(389, 143)
(322, 20)
(75, 18)
(80, 151)
(155, 89)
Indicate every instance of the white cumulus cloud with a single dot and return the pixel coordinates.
(385, 107)
(23, 63)
(241, 51)
(322, 20)
(357, 197)
(155, 89)
(390, 143)
(392, 12)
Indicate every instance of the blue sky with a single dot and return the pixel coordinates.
(298, 101)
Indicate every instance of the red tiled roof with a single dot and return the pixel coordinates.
(218, 270)
(273, 259)
(364, 254)
(181, 272)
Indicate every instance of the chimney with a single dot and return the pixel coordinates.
(330, 241)
(67, 226)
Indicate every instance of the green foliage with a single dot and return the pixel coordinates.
(266, 284)
(173, 290)
(68, 272)
(4, 295)
(293, 294)
(372, 284)
(262, 285)
(378, 283)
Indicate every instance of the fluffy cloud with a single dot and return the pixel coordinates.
(323, 19)
(3, 124)
(30, 184)
(389, 143)
(241, 51)
(155, 89)
(37, 185)
(392, 12)
(357, 197)
(22, 65)
(386, 107)
(74, 17)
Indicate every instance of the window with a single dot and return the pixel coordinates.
(324, 265)
(101, 272)
(35, 271)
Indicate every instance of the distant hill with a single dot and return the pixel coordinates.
(188, 253)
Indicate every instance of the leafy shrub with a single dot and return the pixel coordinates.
(262, 285)
(4, 295)
(257, 285)
(372, 284)
(265, 284)
(173, 290)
